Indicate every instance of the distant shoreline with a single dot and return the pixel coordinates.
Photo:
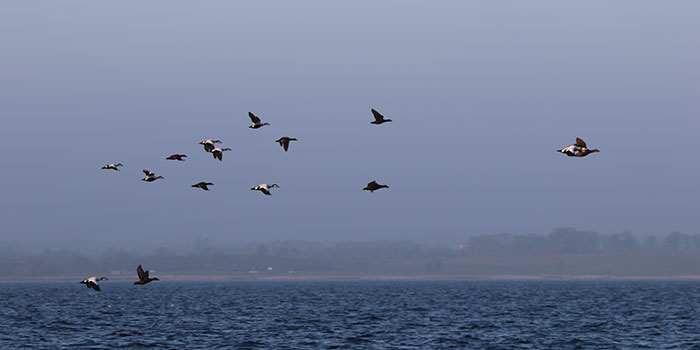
(359, 277)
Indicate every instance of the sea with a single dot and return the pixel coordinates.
(352, 314)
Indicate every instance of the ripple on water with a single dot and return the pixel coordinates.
(352, 314)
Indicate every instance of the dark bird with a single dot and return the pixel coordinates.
(264, 188)
(92, 282)
(218, 153)
(584, 152)
(143, 276)
(256, 121)
(177, 157)
(203, 185)
(373, 186)
(113, 166)
(284, 142)
(209, 144)
(150, 177)
(378, 118)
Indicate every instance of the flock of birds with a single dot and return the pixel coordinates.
(578, 149)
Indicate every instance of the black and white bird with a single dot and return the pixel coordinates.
(378, 118)
(373, 186)
(150, 177)
(177, 157)
(218, 153)
(203, 185)
(209, 144)
(256, 121)
(284, 142)
(113, 166)
(92, 282)
(264, 188)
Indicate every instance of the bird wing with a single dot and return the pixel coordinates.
(378, 116)
(141, 273)
(580, 143)
(254, 118)
(93, 285)
(265, 191)
(285, 144)
(148, 173)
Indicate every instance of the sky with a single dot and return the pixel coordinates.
(481, 94)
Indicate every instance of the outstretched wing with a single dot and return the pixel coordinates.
(378, 116)
(285, 144)
(141, 273)
(580, 143)
(93, 285)
(265, 191)
(147, 172)
(255, 119)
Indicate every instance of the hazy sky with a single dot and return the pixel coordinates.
(482, 93)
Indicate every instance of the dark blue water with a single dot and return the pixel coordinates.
(352, 315)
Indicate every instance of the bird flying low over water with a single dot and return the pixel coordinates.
(143, 276)
(373, 186)
(264, 188)
(378, 118)
(177, 157)
(218, 153)
(284, 142)
(92, 282)
(150, 177)
(203, 185)
(577, 149)
(256, 121)
(209, 144)
(113, 166)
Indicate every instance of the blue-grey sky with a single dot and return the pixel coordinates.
(481, 94)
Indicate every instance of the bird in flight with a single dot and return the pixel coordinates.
(578, 149)
(92, 282)
(284, 142)
(378, 118)
(373, 186)
(177, 157)
(143, 276)
(209, 144)
(150, 177)
(113, 166)
(218, 153)
(256, 121)
(203, 185)
(264, 188)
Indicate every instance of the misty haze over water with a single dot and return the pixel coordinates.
(562, 252)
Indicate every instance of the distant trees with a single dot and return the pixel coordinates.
(479, 253)
(568, 240)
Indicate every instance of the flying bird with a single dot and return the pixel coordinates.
(150, 177)
(92, 282)
(378, 118)
(577, 149)
(256, 121)
(177, 157)
(143, 276)
(264, 188)
(209, 144)
(373, 186)
(218, 153)
(113, 166)
(203, 185)
(284, 142)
